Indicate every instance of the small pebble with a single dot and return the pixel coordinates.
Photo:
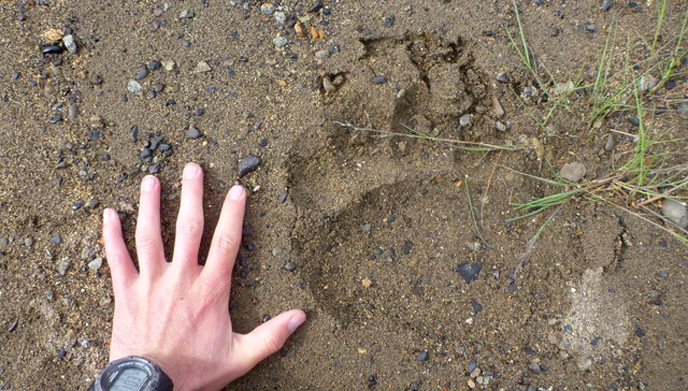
(469, 271)
(95, 264)
(169, 65)
(422, 356)
(73, 111)
(134, 86)
(379, 80)
(535, 367)
(388, 21)
(154, 65)
(141, 73)
(322, 54)
(201, 67)
(280, 17)
(28, 241)
(56, 239)
(465, 120)
(290, 267)
(52, 49)
(610, 142)
(248, 164)
(606, 5)
(283, 197)
(502, 77)
(280, 41)
(573, 172)
(675, 211)
(70, 43)
(193, 133)
(267, 9)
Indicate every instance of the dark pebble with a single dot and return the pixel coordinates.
(193, 133)
(568, 327)
(472, 365)
(535, 367)
(632, 4)
(539, 2)
(283, 197)
(141, 73)
(165, 147)
(200, 112)
(469, 271)
(152, 94)
(422, 356)
(61, 353)
(590, 27)
(502, 77)
(263, 142)
(414, 386)
(155, 168)
(4, 241)
(77, 205)
(16, 75)
(266, 318)
(477, 307)
(56, 239)
(134, 133)
(248, 164)
(639, 332)
(670, 85)
(662, 274)
(154, 65)
(317, 6)
(146, 153)
(13, 325)
(379, 80)
(388, 21)
(170, 102)
(92, 204)
(55, 119)
(290, 267)
(596, 342)
(606, 5)
(52, 49)
(634, 120)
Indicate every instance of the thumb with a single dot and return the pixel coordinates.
(266, 339)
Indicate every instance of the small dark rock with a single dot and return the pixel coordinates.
(317, 6)
(535, 367)
(13, 325)
(422, 356)
(290, 267)
(155, 168)
(52, 49)
(134, 133)
(77, 205)
(634, 120)
(639, 332)
(141, 73)
(606, 5)
(388, 21)
(16, 75)
(248, 164)
(472, 365)
(469, 271)
(154, 65)
(379, 80)
(477, 307)
(146, 153)
(55, 119)
(283, 197)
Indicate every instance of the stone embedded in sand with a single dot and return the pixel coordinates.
(248, 164)
(469, 271)
(675, 211)
(201, 67)
(573, 172)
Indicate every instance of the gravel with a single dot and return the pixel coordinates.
(422, 356)
(465, 120)
(280, 41)
(134, 86)
(95, 264)
(56, 239)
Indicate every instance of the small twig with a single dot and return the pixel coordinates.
(531, 242)
(663, 195)
(470, 205)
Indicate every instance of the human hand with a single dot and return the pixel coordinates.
(177, 313)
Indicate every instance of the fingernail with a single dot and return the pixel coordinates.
(236, 192)
(191, 171)
(148, 183)
(107, 216)
(296, 321)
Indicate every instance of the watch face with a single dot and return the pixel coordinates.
(129, 379)
(128, 374)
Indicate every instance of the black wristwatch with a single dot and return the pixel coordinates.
(132, 374)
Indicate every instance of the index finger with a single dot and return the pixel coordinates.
(226, 239)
